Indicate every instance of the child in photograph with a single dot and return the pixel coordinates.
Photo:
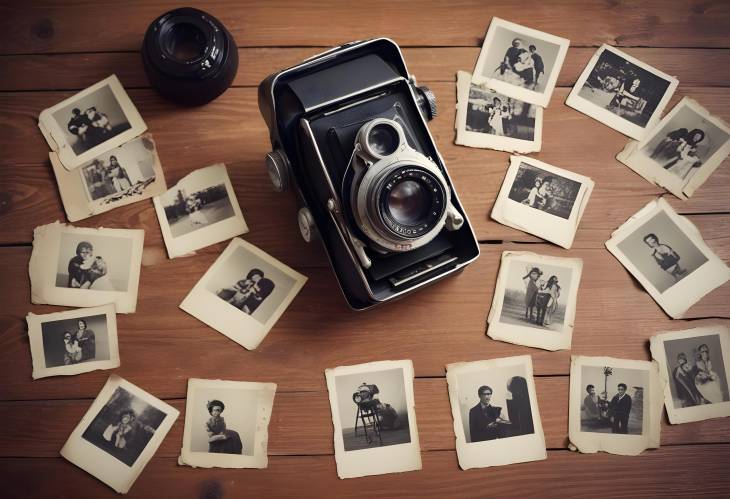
(685, 155)
(530, 281)
(220, 439)
(78, 124)
(591, 405)
(84, 269)
(119, 433)
(665, 257)
(620, 408)
(73, 353)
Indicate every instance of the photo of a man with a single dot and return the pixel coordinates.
(620, 405)
(484, 418)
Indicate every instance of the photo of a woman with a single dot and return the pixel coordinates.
(117, 434)
(86, 340)
(83, 269)
(221, 440)
(706, 379)
(685, 157)
(118, 175)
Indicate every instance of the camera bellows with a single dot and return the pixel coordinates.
(189, 56)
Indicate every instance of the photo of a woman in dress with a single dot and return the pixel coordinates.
(221, 440)
(706, 379)
(683, 377)
(119, 178)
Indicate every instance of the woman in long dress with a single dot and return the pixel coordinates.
(496, 117)
(707, 380)
(553, 289)
(120, 179)
(220, 439)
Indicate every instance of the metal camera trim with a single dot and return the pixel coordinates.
(370, 169)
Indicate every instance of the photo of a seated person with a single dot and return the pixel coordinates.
(247, 294)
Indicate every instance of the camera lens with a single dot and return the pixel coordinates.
(189, 56)
(383, 139)
(409, 202)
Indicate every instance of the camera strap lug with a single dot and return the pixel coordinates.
(454, 219)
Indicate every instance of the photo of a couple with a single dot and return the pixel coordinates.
(623, 411)
(247, 294)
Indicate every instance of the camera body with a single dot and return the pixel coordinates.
(349, 135)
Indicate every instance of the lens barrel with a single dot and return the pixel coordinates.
(189, 56)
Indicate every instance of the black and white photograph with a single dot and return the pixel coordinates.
(622, 92)
(124, 175)
(90, 123)
(86, 267)
(615, 405)
(374, 418)
(534, 300)
(694, 362)
(682, 150)
(226, 424)
(74, 341)
(496, 417)
(119, 433)
(520, 62)
(665, 252)
(243, 293)
(542, 200)
(488, 119)
(200, 210)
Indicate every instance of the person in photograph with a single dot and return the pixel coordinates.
(620, 407)
(538, 64)
(518, 408)
(194, 207)
(99, 129)
(484, 418)
(511, 56)
(532, 195)
(685, 156)
(591, 405)
(118, 175)
(627, 96)
(530, 281)
(683, 376)
(86, 340)
(247, 294)
(665, 257)
(498, 114)
(547, 301)
(707, 380)
(525, 69)
(79, 124)
(119, 433)
(84, 269)
(72, 351)
(667, 148)
(221, 440)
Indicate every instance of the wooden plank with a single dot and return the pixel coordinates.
(230, 130)
(42, 27)
(428, 64)
(564, 473)
(288, 436)
(162, 346)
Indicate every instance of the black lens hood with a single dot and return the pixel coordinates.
(206, 73)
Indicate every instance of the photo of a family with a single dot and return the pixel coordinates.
(545, 191)
(615, 407)
(522, 64)
(94, 262)
(73, 341)
(698, 374)
(492, 113)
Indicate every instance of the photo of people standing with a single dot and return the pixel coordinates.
(697, 371)
(92, 120)
(614, 400)
(492, 113)
(544, 191)
(623, 88)
(190, 211)
(73, 341)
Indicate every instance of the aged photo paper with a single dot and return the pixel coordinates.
(79, 267)
(243, 293)
(694, 364)
(615, 405)
(681, 151)
(496, 417)
(227, 424)
(74, 341)
(534, 300)
(622, 92)
(119, 433)
(374, 418)
(665, 252)
(200, 210)
(520, 62)
(488, 119)
(121, 176)
(542, 200)
(90, 123)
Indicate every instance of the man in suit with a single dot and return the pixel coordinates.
(620, 406)
(484, 417)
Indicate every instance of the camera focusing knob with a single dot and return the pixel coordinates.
(277, 164)
(427, 102)
(307, 227)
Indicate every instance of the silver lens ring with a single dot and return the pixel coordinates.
(380, 138)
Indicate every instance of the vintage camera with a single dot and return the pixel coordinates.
(349, 134)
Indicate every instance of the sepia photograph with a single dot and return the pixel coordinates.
(124, 175)
(90, 123)
(695, 364)
(682, 150)
(496, 418)
(665, 252)
(520, 62)
(374, 418)
(615, 405)
(622, 92)
(119, 433)
(74, 341)
(200, 210)
(243, 293)
(86, 267)
(542, 200)
(226, 424)
(534, 300)
(488, 119)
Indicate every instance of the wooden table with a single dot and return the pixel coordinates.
(50, 50)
